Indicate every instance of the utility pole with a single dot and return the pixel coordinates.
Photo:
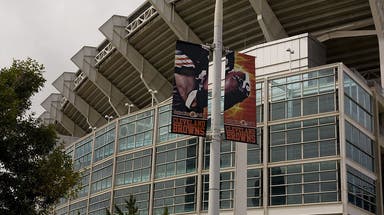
(214, 157)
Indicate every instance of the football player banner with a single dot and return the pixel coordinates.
(190, 89)
(240, 98)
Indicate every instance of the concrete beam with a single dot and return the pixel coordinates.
(52, 105)
(377, 9)
(343, 34)
(64, 84)
(114, 31)
(174, 21)
(269, 24)
(46, 118)
(85, 60)
(345, 27)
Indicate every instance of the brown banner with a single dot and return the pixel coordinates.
(240, 98)
(190, 89)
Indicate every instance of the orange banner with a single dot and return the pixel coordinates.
(240, 98)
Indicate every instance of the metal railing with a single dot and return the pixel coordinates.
(145, 17)
(63, 102)
(78, 80)
(104, 53)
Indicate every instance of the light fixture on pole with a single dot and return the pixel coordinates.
(108, 117)
(92, 128)
(291, 52)
(152, 92)
(129, 107)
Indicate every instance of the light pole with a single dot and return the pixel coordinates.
(129, 107)
(291, 52)
(108, 117)
(152, 92)
(214, 157)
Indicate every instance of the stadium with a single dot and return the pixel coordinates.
(319, 104)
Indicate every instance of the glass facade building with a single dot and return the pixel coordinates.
(317, 148)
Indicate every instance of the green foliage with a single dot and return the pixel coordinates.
(165, 212)
(118, 211)
(107, 212)
(34, 172)
(130, 205)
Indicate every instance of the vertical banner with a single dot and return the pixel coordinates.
(190, 89)
(240, 98)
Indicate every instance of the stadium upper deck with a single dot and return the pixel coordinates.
(133, 67)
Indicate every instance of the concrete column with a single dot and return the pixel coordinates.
(85, 60)
(114, 31)
(64, 84)
(52, 105)
(241, 179)
(270, 25)
(175, 22)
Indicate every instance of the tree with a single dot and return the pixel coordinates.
(130, 205)
(34, 172)
(165, 212)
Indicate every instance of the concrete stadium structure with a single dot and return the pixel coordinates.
(320, 105)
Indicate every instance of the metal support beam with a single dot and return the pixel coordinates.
(343, 34)
(52, 105)
(269, 24)
(64, 84)
(174, 21)
(85, 60)
(114, 31)
(377, 9)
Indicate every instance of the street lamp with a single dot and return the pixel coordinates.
(108, 117)
(291, 52)
(152, 92)
(92, 128)
(129, 107)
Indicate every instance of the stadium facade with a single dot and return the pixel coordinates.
(320, 109)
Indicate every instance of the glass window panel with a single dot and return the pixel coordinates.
(293, 136)
(327, 103)
(311, 198)
(278, 190)
(294, 199)
(326, 84)
(310, 150)
(278, 93)
(277, 138)
(278, 200)
(328, 186)
(292, 189)
(328, 148)
(311, 188)
(310, 105)
(294, 152)
(291, 179)
(278, 110)
(277, 154)
(310, 134)
(310, 87)
(294, 90)
(294, 108)
(327, 132)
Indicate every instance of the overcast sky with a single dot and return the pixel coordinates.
(52, 31)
